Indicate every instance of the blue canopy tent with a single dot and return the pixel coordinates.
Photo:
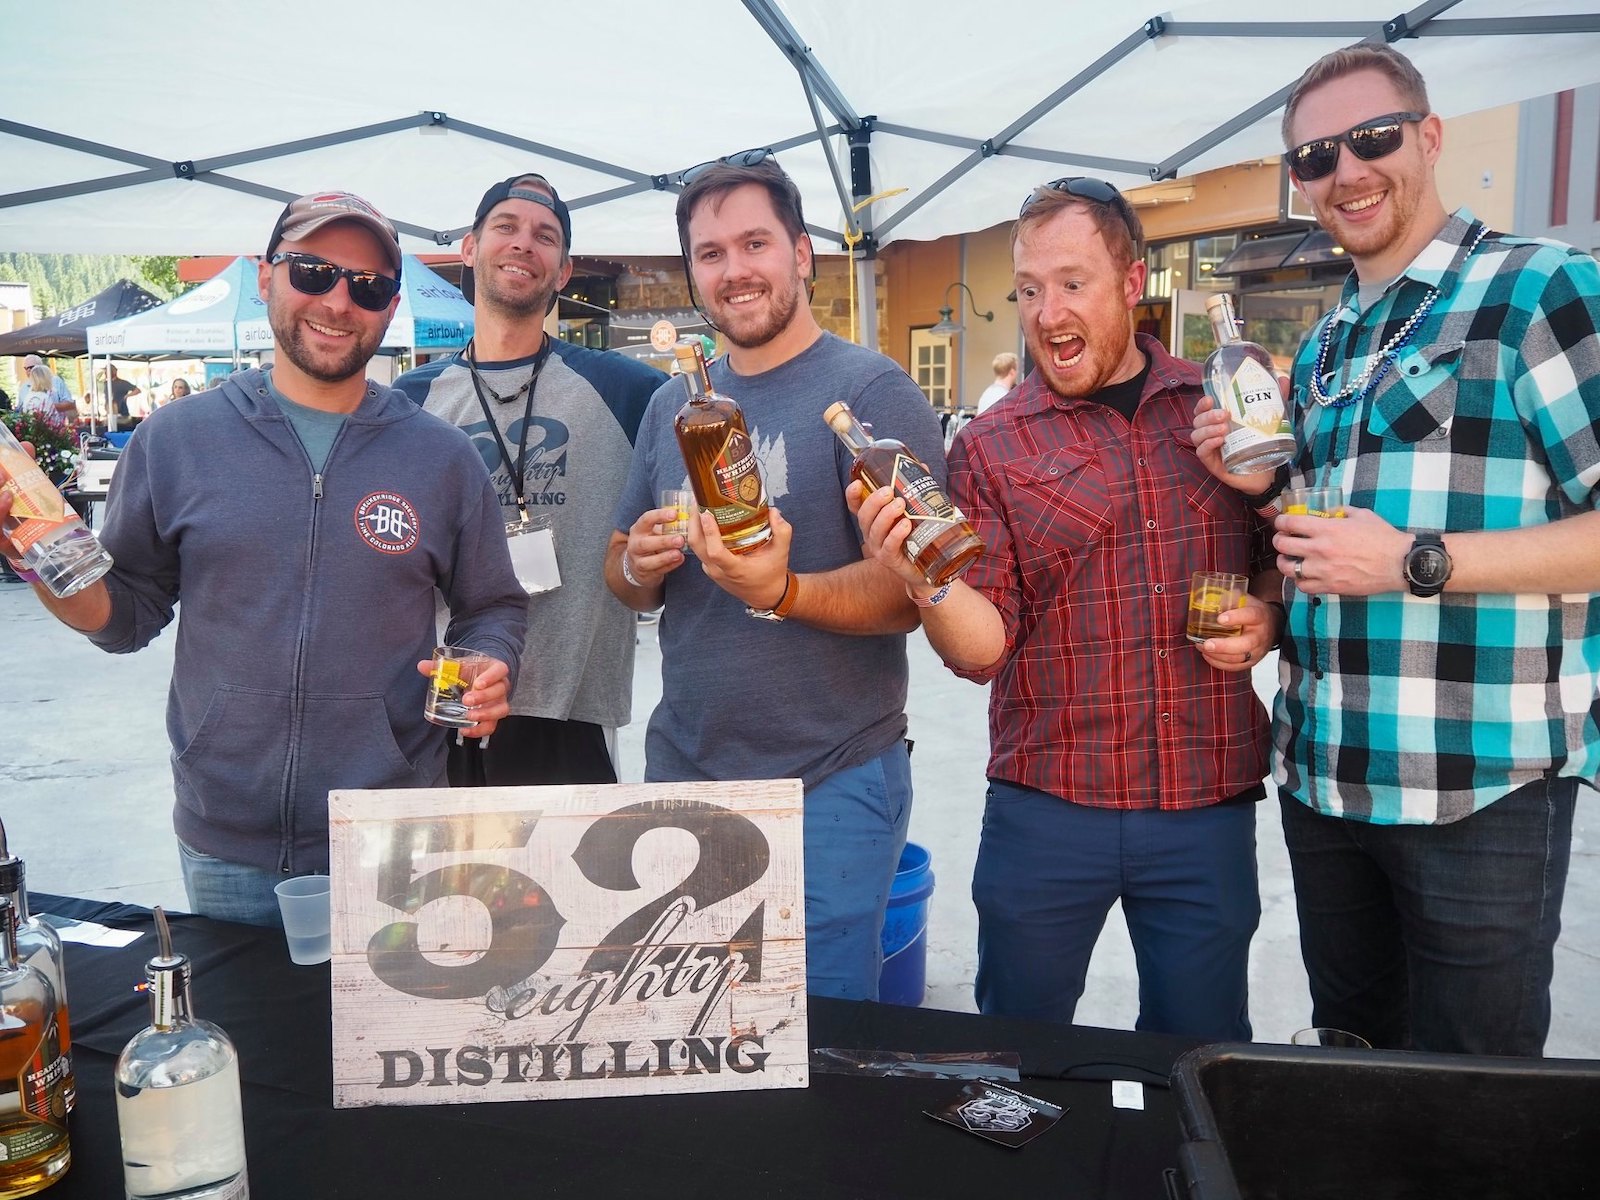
(433, 314)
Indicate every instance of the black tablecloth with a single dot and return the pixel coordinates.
(842, 1136)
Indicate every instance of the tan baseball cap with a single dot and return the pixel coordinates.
(304, 216)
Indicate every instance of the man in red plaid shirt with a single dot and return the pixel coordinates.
(1125, 763)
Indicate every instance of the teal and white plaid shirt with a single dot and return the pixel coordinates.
(1399, 710)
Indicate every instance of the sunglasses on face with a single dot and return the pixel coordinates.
(743, 158)
(316, 277)
(1367, 141)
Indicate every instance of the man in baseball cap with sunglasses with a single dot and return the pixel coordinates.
(555, 424)
(1439, 713)
(305, 517)
(1124, 762)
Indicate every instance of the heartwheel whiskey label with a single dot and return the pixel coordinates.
(738, 474)
(33, 1109)
(548, 943)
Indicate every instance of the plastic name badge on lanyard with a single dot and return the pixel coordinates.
(533, 553)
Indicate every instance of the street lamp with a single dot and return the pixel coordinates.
(947, 324)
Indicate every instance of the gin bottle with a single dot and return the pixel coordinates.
(716, 446)
(1240, 381)
(56, 545)
(39, 946)
(34, 1150)
(942, 542)
(178, 1109)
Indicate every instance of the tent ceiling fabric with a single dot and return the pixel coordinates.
(225, 86)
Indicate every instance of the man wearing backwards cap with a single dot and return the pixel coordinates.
(305, 516)
(555, 423)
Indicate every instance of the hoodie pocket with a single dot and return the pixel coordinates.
(231, 771)
(347, 742)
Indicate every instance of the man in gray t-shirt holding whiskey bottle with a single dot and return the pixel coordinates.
(788, 661)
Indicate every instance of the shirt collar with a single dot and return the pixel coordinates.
(1166, 374)
(1436, 265)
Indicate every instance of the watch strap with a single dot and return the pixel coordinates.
(780, 610)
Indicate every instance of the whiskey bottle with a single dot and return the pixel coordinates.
(39, 946)
(178, 1108)
(942, 542)
(1240, 379)
(34, 1149)
(56, 545)
(721, 458)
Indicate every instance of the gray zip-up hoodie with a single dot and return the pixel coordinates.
(307, 601)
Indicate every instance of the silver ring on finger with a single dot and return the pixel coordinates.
(1299, 568)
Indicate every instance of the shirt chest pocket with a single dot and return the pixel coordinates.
(1059, 501)
(1418, 401)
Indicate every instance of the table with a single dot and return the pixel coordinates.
(843, 1136)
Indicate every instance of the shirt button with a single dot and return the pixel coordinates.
(1160, 587)
(1055, 470)
(1149, 524)
(1166, 716)
(1161, 653)
(1141, 462)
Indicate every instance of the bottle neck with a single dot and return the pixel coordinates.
(851, 432)
(1223, 326)
(169, 996)
(8, 937)
(695, 381)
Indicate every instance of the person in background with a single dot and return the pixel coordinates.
(179, 389)
(43, 391)
(1005, 378)
(555, 424)
(1440, 703)
(788, 661)
(306, 518)
(121, 391)
(1125, 763)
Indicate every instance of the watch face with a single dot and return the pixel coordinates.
(1428, 566)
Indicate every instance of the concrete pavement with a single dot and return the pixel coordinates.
(86, 796)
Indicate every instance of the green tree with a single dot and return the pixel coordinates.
(160, 273)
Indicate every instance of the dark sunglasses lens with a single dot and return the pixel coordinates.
(1097, 190)
(749, 158)
(372, 292)
(1314, 160)
(312, 278)
(1374, 141)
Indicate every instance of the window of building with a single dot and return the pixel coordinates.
(930, 367)
(1208, 253)
(1280, 318)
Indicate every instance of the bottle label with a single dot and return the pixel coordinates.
(1255, 402)
(37, 508)
(36, 1089)
(738, 476)
(927, 507)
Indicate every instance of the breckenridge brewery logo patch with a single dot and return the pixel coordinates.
(388, 523)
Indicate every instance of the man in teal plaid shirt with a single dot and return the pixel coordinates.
(1441, 662)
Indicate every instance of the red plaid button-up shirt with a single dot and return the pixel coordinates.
(1092, 529)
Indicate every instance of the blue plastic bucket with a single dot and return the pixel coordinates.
(905, 929)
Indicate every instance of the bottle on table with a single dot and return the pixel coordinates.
(716, 446)
(1240, 379)
(34, 1147)
(178, 1109)
(56, 545)
(39, 946)
(942, 542)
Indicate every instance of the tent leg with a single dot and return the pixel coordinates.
(867, 312)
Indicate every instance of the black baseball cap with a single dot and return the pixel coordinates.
(507, 190)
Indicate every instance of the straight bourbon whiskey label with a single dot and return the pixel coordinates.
(927, 507)
(738, 476)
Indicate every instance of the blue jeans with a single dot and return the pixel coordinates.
(230, 891)
(1048, 872)
(1435, 937)
(855, 827)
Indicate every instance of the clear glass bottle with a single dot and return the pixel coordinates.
(1241, 380)
(942, 542)
(716, 446)
(56, 545)
(34, 1147)
(39, 946)
(178, 1107)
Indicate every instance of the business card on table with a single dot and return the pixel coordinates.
(997, 1113)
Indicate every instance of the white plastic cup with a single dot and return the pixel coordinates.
(305, 903)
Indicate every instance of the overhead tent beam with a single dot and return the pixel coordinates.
(995, 144)
(1456, 27)
(1406, 25)
(1124, 165)
(792, 46)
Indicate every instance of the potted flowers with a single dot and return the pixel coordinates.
(55, 441)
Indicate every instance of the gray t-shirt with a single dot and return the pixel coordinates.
(748, 699)
(315, 427)
(578, 660)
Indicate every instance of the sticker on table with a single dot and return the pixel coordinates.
(998, 1114)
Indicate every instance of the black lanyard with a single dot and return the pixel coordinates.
(516, 469)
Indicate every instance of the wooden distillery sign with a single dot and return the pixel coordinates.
(555, 942)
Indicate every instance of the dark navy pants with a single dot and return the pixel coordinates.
(1435, 937)
(1048, 872)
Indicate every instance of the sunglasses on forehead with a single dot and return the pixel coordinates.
(316, 277)
(1080, 186)
(742, 158)
(1367, 141)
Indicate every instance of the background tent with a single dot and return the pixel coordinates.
(224, 315)
(67, 332)
(433, 315)
(930, 117)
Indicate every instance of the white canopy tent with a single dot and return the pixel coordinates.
(947, 111)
